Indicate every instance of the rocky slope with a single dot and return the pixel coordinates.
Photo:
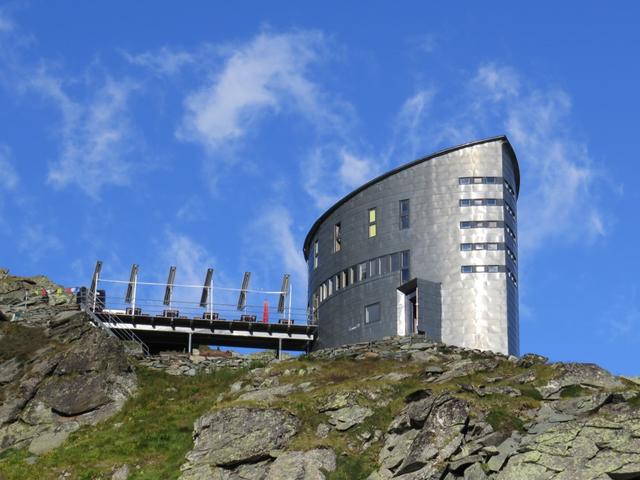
(57, 372)
(401, 408)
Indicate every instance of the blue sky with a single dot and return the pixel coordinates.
(215, 135)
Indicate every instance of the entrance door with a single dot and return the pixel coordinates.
(412, 313)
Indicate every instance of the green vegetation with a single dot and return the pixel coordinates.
(573, 391)
(152, 433)
(350, 468)
(502, 420)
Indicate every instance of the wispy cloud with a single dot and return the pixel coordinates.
(559, 198)
(268, 75)
(274, 248)
(164, 61)
(6, 24)
(38, 242)
(96, 135)
(8, 174)
(330, 172)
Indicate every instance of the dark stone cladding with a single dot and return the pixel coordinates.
(323, 217)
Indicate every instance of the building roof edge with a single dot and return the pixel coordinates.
(334, 207)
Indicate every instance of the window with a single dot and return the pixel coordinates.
(344, 278)
(465, 202)
(466, 269)
(395, 262)
(372, 313)
(373, 231)
(352, 276)
(362, 271)
(337, 237)
(405, 266)
(404, 214)
(373, 268)
(508, 186)
(493, 269)
(510, 232)
(510, 209)
(384, 265)
(483, 269)
(465, 247)
(315, 254)
(337, 280)
(479, 180)
(482, 224)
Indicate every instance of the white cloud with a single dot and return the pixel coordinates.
(409, 132)
(499, 80)
(189, 257)
(165, 61)
(266, 76)
(330, 173)
(37, 242)
(559, 178)
(8, 175)
(275, 224)
(6, 24)
(96, 135)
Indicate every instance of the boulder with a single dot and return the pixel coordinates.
(347, 417)
(234, 436)
(310, 465)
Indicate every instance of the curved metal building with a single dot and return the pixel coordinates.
(430, 247)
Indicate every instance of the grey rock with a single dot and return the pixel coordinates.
(440, 436)
(221, 438)
(323, 430)
(505, 450)
(47, 441)
(475, 472)
(121, 473)
(347, 417)
(268, 394)
(309, 465)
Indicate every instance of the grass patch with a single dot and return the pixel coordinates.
(635, 401)
(531, 392)
(502, 420)
(351, 468)
(152, 433)
(573, 391)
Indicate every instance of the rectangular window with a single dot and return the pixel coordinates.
(362, 271)
(493, 269)
(404, 214)
(373, 268)
(492, 246)
(395, 262)
(384, 265)
(330, 287)
(466, 269)
(315, 254)
(465, 224)
(337, 237)
(373, 230)
(405, 266)
(372, 313)
(464, 180)
(337, 280)
(352, 276)
(465, 247)
(345, 278)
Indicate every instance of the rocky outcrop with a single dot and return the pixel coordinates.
(57, 372)
(249, 443)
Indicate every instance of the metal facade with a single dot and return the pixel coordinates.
(474, 310)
